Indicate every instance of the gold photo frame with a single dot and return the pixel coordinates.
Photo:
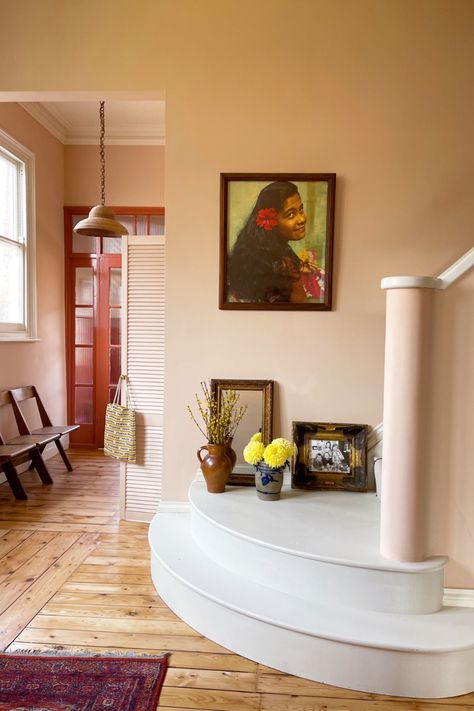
(330, 456)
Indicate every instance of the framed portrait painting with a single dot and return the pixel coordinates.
(277, 233)
(330, 456)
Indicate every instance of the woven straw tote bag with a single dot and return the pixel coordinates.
(119, 434)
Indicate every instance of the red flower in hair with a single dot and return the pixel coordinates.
(267, 218)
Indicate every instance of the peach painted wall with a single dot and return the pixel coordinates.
(450, 412)
(41, 362)
(378, 92)
(135, 175)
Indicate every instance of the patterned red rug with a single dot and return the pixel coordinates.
(50, 683)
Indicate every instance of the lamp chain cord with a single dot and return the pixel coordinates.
(102, 153)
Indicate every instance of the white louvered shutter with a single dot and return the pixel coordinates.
(143, 361)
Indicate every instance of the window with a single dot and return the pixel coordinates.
(17, 241)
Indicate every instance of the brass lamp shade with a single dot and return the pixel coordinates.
(101, 222)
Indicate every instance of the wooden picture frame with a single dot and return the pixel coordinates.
(244, 474)
(330, 456)
(276, 241)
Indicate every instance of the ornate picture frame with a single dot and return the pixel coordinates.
(330, 456)
(276, 244)
(244, 474)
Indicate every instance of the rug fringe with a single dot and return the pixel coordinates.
(80, 653)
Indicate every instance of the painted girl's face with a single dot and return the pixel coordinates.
(291, 219)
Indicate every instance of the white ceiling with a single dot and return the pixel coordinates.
(126, 122)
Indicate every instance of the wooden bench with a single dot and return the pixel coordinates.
(13, 454)
(19, 395)
(20, 449)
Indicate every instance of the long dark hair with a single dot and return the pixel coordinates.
(258, 264)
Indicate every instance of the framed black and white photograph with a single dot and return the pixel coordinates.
(330, 456)
(277, 233)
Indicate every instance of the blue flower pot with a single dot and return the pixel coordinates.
(268, 482)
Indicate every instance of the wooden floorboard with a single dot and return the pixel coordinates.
(74, 577)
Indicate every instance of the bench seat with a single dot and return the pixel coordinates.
(65, 429)
(29, 392)
(40, 440)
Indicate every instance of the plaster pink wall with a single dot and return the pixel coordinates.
(450, 413)
(135, 175)
(378, 92)
(42, 362)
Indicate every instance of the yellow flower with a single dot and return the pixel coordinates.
(288, 446)
(257, 437)
(275, 455)
(220, 415)
(253, 452)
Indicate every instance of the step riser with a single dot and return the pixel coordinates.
(315, 580)
(413, 674)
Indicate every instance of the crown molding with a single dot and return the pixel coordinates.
(123, 135)
(121, 139)
(46, 119)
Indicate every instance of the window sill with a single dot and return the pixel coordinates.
(8, 338)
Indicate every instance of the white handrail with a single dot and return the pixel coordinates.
(456, 270)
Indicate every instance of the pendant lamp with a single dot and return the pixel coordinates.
(101, 221)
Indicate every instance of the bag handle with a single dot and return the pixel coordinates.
(121, 382)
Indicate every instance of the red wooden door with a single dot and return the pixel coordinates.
(82, 348)
(108, 349)
(93, 318)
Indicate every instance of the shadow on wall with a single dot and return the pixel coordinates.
(449, 452)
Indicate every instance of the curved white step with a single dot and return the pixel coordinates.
(327, 544)
(408, 655)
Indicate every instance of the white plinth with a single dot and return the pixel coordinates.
(299, 585)
(313, 545)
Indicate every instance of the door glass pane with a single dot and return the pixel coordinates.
(115, 326)
(84, 244)
(127, 221)
(115, 357)
(112, 245)
(85, 285)
(115, 288)
(84, 326)
(157, 224)
(84, 366)
(142, 228)
(82, 405)
(112, 395)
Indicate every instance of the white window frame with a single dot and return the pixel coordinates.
(25, 331)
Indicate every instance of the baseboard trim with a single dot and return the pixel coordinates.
(163, 507)
(138, 516)
(174, 507)
(458, 597)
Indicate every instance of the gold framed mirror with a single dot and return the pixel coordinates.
(257, 395)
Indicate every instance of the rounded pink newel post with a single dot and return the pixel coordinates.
(407, 355)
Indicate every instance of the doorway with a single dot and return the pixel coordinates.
(93, 271)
